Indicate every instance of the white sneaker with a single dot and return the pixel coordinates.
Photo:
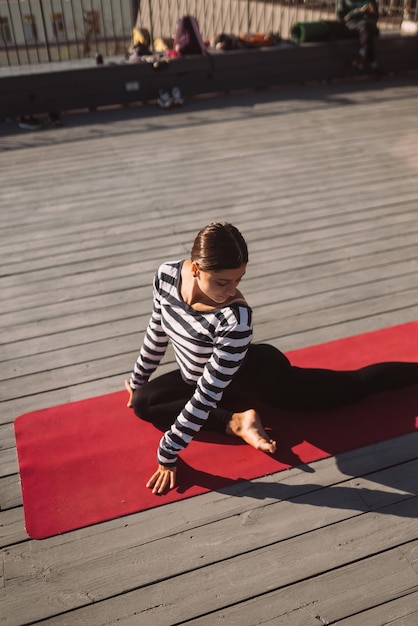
(177, 97)
(164, 100)
(30, 123)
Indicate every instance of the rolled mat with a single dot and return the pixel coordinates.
(301, 32)
(321, 30)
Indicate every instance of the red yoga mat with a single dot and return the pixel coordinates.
(88, 461)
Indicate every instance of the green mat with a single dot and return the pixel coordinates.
(321, 30)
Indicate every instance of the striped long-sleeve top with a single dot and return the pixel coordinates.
(209, 347)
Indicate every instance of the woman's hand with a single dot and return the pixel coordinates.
(366, 8)
(161, 479)
(164, 476)
(131, 393)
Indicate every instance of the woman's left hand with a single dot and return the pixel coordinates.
(131, 393)
(161, 479)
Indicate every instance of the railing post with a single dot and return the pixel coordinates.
(135, 7)
(151, 27)
(48, 51)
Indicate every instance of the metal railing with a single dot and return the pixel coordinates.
(39, 31)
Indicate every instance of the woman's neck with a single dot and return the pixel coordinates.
(194, 297)
(190, 291)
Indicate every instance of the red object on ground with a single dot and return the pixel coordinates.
(88, 461)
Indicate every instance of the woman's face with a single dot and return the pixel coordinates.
(221, 285)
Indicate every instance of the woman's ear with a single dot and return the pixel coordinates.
(195, 269)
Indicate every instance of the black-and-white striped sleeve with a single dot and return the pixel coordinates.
(154, 345)
(231, 340)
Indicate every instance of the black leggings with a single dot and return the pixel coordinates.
(267, 376)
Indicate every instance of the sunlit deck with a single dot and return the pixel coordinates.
(323, 182)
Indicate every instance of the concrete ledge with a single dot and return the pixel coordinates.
(92, 87)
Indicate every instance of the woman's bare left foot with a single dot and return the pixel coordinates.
(248, 426)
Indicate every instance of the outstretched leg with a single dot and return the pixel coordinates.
(269, 377)
(316, 389)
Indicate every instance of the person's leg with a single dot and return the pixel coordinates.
(315, 389)
(367, 33)
(387, 376)
(259, 372)
(268, 376)
(161, 400)
(263, 367)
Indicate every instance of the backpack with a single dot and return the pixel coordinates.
(188, 39)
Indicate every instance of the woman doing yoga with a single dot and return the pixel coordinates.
(198, 307)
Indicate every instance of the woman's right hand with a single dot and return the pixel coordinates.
(131, 393)
(163, 478)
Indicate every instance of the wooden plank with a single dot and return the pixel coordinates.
(7, 438)
(403, 611)
(8, 462)
(327, 556)
(12, 529)
(10, 493)
(337, 596)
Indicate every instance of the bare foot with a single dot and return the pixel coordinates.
(247, 425)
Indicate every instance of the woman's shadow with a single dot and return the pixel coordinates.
(340, 433)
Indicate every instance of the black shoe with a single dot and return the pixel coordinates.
(377, 72)
(359, 63)
(54, 119)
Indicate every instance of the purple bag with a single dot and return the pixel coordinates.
(188, 37)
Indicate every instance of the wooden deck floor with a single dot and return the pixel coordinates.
(323, 181)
